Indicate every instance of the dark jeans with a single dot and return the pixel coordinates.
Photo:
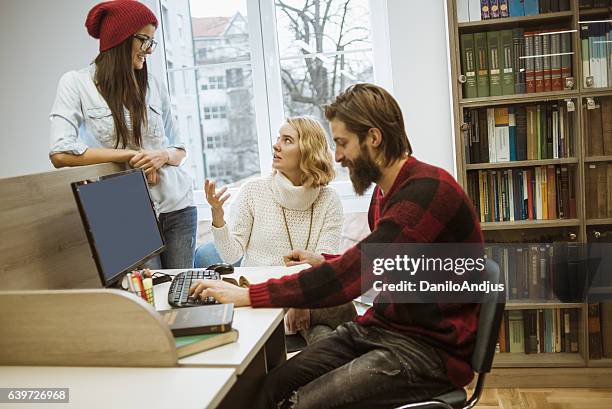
(179, 229)
(357, 367)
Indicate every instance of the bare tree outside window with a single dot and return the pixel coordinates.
(325, 46)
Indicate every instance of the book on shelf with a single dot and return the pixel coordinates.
(485, 9)
(504, 8)
(474, 10)
(518, 132)
(515, 8)
(535, 193)
(539, 272)
(598, 126)
(505, 46)
(606, 125)
(494, 9)
(594, 327)
(538, 61)
(555, 62)
(596, 56)
(192, 344)
(598, 185)
(605, 310)
(518, 61)
(566, 57)
(468, 66)
(482, 64)
(463, 11)
(495, 58)
(546, 61)
(536, 331)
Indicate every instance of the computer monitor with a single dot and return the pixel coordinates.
(119, 221)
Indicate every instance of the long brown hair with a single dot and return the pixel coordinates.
(122, 86)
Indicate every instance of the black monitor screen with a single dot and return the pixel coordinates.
(120, 222)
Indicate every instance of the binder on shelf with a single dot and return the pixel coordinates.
(518, 63)
(495, 63)
(507, 61)
(482, 64)
(468, 66)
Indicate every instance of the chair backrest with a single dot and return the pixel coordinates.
(489, 321)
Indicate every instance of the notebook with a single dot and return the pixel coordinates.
(199, 320)
(193, 344)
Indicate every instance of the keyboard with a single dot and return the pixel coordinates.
(178, 295)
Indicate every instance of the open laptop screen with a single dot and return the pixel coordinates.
(120, 222)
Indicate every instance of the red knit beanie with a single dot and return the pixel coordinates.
(114, 21)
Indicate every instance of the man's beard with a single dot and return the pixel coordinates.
(363, 171)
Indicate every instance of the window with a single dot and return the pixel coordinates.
(215, 112)
(324, 47)
(215, 82)
(313, 50)
(235, 77)
(215, 141)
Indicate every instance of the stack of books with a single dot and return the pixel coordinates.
(540, 331)
(519, 132)
(538, 193)
(198, 329)
(515, 61)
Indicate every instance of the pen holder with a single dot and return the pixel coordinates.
(147, 296)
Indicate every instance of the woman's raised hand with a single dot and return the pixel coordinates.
(216, 200)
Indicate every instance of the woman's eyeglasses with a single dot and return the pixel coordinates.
(146, 42)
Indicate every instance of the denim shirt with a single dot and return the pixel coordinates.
(80, 118)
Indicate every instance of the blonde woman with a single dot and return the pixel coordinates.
(293, 208)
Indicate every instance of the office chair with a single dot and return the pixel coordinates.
(489, 320)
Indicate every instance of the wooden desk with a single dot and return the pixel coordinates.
(151, 388)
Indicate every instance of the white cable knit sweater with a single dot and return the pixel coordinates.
(256, 228)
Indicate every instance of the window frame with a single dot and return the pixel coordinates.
(267, 87)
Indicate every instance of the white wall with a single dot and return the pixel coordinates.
(40, 40)
(419, 60)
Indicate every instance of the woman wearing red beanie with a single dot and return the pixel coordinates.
(114, 111)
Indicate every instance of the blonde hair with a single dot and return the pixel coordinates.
(316, 162)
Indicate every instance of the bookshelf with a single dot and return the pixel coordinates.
(583, 102)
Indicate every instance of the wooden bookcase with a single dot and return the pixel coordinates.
(538, 370)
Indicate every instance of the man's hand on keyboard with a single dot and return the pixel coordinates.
(223, 292)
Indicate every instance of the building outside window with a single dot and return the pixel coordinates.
(247, 76)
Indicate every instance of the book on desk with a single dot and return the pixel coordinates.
(192, 344)
(198, 329)
(204, 319)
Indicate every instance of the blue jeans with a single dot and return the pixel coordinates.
(179, 229)
(207, 254)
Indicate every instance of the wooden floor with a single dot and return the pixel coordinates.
(558, 398)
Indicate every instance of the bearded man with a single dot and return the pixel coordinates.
(396, 352)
